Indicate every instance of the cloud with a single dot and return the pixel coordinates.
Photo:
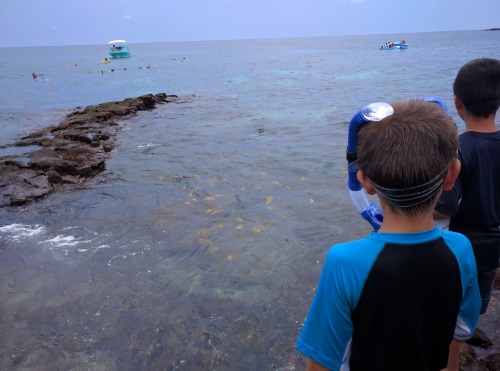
(127, 17)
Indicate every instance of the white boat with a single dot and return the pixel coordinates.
(119, 49)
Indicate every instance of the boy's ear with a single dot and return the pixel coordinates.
(365, 182)
(458, 105)
(453, 172)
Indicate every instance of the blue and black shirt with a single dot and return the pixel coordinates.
(392, 302)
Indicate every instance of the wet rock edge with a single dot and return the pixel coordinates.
(69, 153)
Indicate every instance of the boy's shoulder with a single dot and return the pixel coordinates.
(479, 135)
(471, 140)
(357, 258)
(351, 252)
(455, 237)
(372, 244)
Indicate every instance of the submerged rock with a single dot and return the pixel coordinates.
(480, 339)
(469, 360)
(492, 362)
(68, 153)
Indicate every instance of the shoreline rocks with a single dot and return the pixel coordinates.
(69, 153)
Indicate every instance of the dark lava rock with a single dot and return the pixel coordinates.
(480, 339)
(492, 362)
(496, 283)
(70, 152)
(469, 360)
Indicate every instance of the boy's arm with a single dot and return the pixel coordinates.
(454, 356)
(315, 366)
(469, 310)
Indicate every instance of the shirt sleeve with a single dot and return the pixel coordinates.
(470, 306)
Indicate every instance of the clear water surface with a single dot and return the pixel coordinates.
(200, 245)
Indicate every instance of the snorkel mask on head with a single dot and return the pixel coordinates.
(370, 211)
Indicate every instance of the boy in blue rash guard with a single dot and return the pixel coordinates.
(404, 297)
(474, 202)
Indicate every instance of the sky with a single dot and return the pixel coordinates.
(95, 22)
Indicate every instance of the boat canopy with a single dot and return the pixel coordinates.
(116, 42)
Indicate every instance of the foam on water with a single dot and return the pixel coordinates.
(147, 147)
(38, 233)
(17, 232)
(63, 241)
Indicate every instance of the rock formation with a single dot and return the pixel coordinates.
(68, 153)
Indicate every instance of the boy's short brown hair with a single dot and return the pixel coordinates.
(406, 155)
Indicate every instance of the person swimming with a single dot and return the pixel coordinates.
(35, 76)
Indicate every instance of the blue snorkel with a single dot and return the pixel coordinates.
(438, 101)
(371, 113)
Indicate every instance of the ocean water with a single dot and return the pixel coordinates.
(200, 245)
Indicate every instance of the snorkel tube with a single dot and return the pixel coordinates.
(371, 113)
(438, 101)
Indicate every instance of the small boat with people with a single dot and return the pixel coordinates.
(391, 46)
(119, 49)
(401, 45)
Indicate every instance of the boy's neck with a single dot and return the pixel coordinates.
(480, 124)
(401, 223)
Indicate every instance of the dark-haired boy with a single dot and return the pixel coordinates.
(474, 202)
(396, 299)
